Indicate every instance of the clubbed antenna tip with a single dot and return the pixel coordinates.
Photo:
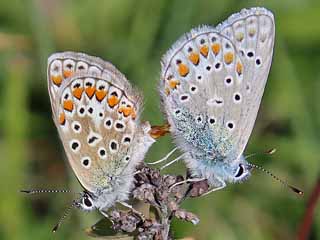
(296, 190)
(26, 191)
(55, 228)
(271, 151)
(65, 214)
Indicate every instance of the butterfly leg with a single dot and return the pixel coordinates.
(223, 185)
(171, 162)
(106, 215)
(132, 209)
(163, 159)
(189, 180)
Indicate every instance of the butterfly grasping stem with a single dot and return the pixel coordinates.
(164, 158)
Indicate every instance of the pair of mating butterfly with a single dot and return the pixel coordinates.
(211, 85)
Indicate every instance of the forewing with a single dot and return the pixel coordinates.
(64, 65)
(216, 76)
(96, 114)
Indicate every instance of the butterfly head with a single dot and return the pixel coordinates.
(239, 171)
(85, 202)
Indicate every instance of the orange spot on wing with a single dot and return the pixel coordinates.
(113, 100)
(216, 48)
(62, 119)
(68, 105)
(239, 68)
(228, 57)
(173, 83)
(183, 69)
(133, 115)
(167, 91)
(127, 111)
(204, 50)
(90, 91)
(57, 80)
(67, 73)
(100, 94)
(77, 92)
(194, 58)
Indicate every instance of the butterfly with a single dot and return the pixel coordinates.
(97, 115)
(211, 85)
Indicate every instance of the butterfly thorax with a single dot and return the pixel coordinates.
(117, 191)
(218, 171)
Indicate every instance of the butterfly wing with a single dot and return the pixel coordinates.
(212, 82)
(64, 65)
(96, 112)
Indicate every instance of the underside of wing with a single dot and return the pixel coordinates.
(64, 65)
(97, 123)
(212, 81)
(96, 112)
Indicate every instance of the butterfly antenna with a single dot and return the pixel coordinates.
(294, 189)
(63, 217)
(39, 191)
(268, 152)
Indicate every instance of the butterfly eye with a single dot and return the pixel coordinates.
(87, 202)
(239, 171)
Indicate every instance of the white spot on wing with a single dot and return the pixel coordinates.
(94, 71)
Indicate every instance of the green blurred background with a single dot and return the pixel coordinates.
(133, 35)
